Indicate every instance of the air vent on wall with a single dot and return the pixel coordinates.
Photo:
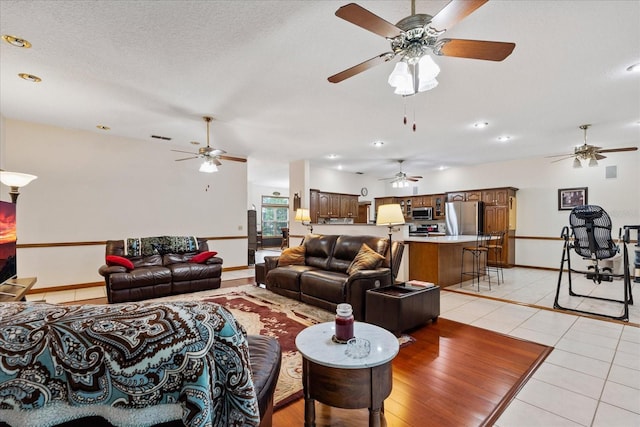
(165, 138)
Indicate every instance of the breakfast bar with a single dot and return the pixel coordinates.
(437, 259)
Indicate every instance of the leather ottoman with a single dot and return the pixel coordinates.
(399, 308)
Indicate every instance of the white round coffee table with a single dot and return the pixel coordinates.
(330, 376)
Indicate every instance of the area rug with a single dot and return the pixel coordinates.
(262, 312)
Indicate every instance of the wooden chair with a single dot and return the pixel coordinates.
(285, 238)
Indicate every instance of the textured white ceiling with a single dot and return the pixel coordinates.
(261, 67)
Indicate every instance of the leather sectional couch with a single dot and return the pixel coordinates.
(158, 272)
(322, 279)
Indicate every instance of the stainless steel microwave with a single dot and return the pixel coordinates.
(422, 213)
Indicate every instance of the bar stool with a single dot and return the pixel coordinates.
(494, 247)
(479, 254)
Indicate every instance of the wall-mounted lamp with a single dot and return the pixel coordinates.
(302, 215)
(390, 216)
(15, 180)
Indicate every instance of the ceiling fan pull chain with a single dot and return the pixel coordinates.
(414, 115)
(404, 100)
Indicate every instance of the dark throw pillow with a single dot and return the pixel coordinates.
(121, 261)
(202, 257)
(367, 259)
(292, 256)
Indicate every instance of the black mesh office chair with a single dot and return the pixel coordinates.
(591, 239)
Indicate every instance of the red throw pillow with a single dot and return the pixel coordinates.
(121, 261)
(202, 257)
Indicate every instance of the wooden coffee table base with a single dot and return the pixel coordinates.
(346, 388)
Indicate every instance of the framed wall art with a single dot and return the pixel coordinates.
(569, 198)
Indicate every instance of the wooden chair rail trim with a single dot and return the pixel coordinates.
(103, 242)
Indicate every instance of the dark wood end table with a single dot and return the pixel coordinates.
(330, 376)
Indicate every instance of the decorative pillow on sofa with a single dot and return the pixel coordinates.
(367, 259)
(292, 256)
(202, 257)
(118, 260)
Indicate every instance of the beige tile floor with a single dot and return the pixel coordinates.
(591, 378)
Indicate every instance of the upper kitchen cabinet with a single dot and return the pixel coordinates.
(465, 196)
(498, 196)
(348, 206)
(383, 201)
(323, 204)
(437, 202)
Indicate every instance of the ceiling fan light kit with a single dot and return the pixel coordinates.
(209, 154)
(589, 152)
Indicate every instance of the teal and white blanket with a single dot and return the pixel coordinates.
(134, 364)
(160, 245)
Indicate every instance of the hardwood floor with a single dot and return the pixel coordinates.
(453, 375)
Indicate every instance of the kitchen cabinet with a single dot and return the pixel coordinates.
(334, 205)
(383, 201)
(406, 204)
(313, 206)
(348, 206)
(421, 201)
(363, 213)
(465, 196)
(457, 197)
(473, 196)
(496, 196)
(499, 215)
(323, 204)
(437, 202)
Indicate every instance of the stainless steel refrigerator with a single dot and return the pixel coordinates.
(464, 218)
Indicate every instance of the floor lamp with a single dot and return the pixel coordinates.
(15, 180)
(390, 216)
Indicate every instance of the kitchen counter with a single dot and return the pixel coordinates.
(441, 239)
(438, 259)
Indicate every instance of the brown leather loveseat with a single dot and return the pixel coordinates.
(154, 267)
(322, 278)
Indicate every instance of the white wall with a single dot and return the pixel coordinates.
(538, 181)
(96, 187)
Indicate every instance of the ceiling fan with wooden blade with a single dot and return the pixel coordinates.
(401, 179)
(210, 155)
(418, 34)
(588, 152)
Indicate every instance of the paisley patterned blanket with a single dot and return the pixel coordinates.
(134, 364)
(145, 246)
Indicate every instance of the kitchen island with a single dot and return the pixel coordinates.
(438, 259)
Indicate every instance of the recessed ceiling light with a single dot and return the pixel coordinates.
(103, 127)
(481, 125)
(504, 138)
(634, 67)
(16, 41)
(333, 156)
(378, 144)
(339, 167)
(443, 168)
(30, 77)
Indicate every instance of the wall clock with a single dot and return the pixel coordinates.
(364, 191)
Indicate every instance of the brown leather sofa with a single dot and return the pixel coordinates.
(323, 280)
(159, 275)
